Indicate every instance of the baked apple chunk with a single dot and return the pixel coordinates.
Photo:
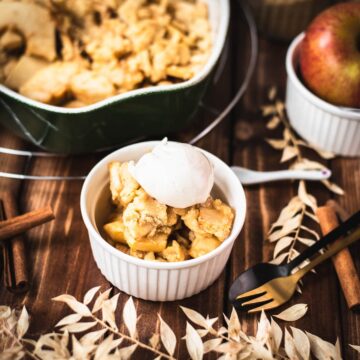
(212, 218)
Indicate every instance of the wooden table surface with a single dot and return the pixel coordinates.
(60, 259)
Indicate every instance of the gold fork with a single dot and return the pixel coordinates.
(280, 290)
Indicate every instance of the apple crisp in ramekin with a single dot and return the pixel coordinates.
(141, 226)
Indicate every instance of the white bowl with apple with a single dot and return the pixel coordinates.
(323, 86)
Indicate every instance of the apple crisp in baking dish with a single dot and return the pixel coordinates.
(73, 52)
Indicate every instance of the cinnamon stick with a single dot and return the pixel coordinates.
(19, 224)
(14, 252)
(343, 262)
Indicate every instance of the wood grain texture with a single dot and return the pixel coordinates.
(59, 252)
(347, 174)
(266, 201)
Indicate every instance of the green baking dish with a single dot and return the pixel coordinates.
(109, 123)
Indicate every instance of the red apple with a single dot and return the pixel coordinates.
(330, 55)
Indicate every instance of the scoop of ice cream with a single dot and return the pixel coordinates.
(175, 174)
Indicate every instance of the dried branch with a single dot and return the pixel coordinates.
(269, 342)
(289, 230)
(290, 144)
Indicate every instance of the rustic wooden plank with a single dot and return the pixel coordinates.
(265, 202)
(347, 175)
(61, 259)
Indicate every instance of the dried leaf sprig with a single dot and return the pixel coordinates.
(290, 144)
(107, 307)
(270, 341)
(13, 327)
(289, 230)
(103, 343)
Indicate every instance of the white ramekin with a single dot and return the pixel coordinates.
(284, 19)
(322, 124)
(155, 280)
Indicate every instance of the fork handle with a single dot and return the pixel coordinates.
(331, 251)
(348, 225)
